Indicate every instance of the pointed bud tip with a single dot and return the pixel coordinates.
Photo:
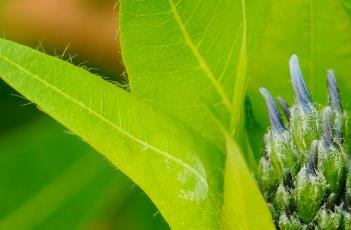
(263, 91)
(274, 115)
(331, 74)
(302, 94)
(333, 91)
(294, 59)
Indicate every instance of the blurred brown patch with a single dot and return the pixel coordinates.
(90, 31)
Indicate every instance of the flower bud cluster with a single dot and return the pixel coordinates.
(304, 173)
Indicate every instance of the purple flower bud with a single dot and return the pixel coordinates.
(327, 129)
(339, 133)
(274, 115)
(311, 164)
(333, 91)
(303, 97)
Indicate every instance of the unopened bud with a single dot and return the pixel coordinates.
(327, 137)
(274, 211)
(331, 159)
(311, 164)
(348, 179)
(346, 220)
(333, 92)
(303, 97)
(291, 222)
(274, 115)
(310, 190)
(278, 140)
(304, 122)
(330, 202)
(327, 219)
(346, 212)
(282, 198)
(338, 119)
(268, 176)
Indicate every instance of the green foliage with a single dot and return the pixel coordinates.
(171, 165)
(15, 115)
(190, 64)
(186, 56)
(244, 206)
(193, 65)
(47, 177)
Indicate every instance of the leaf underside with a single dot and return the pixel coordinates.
(163, 158)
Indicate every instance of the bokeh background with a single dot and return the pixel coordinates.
(49, 179)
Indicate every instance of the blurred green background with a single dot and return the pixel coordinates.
(49, 179)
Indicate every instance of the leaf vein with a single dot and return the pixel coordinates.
(241, 75)
(196, 53)
(105, 120)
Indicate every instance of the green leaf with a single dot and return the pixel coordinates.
(319, 32)
(189, 58)
(244, 206)
(184, 56)
(170, 164)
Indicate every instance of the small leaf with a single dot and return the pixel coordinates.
(244, 206)
(171, 165)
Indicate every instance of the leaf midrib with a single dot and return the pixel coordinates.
(234, 106)
(196, 53)
(105, 120)
(241, 76)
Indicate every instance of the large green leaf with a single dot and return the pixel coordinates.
(319, 32)
(184, 56)
(244, 206)
(180, 173)
(189, 58)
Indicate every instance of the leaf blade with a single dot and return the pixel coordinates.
(188, 53)
(244, 206)
(203, 65)
(112, 120)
